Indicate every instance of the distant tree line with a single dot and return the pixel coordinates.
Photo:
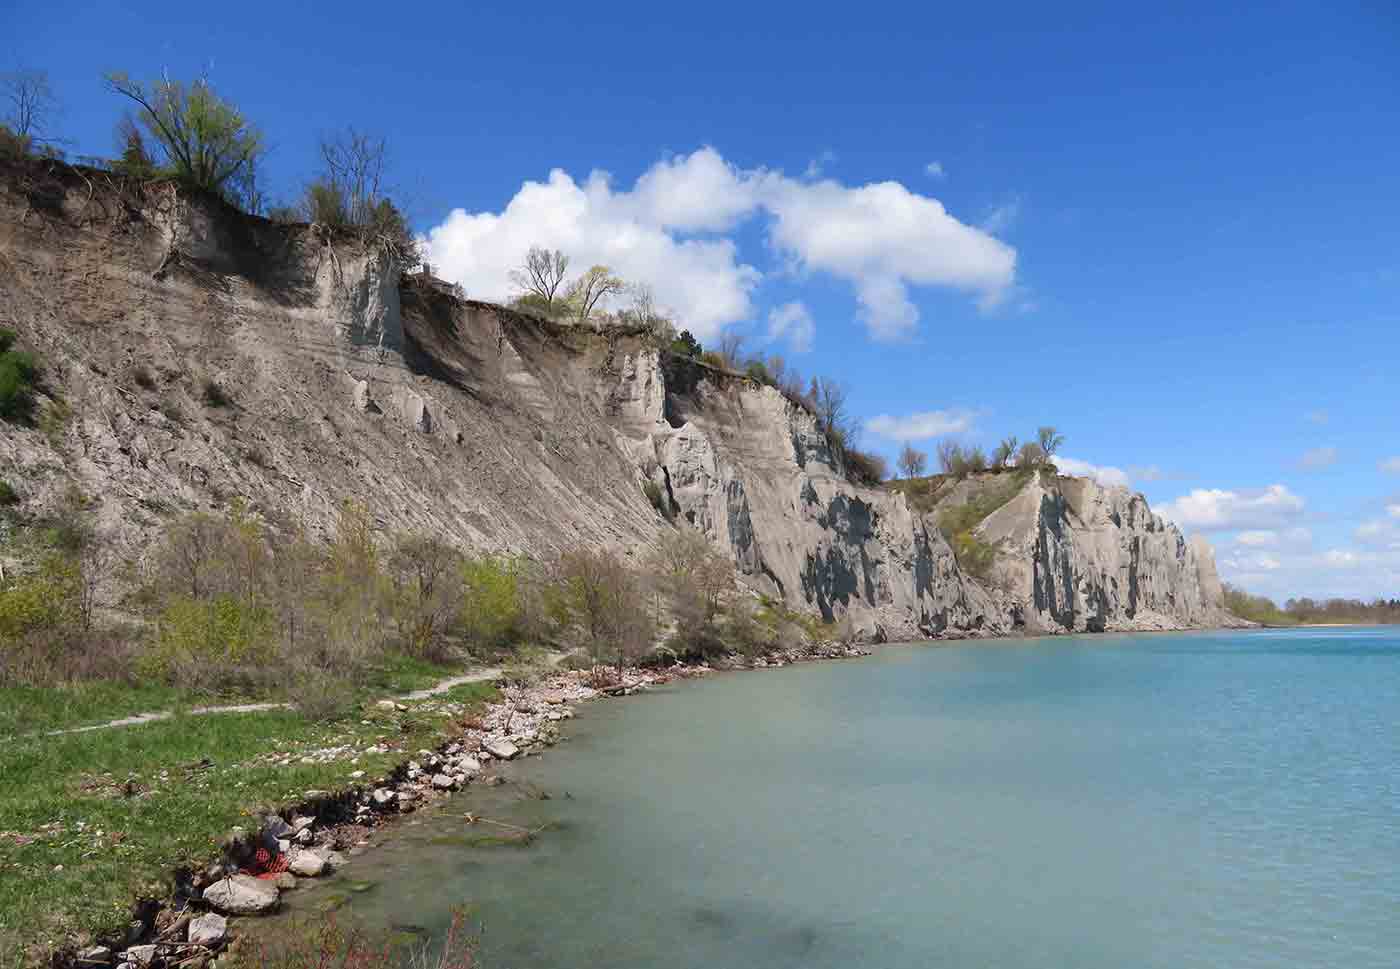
(1305, 611)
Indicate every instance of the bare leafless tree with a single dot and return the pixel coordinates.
(912, 461)
(31, 104)
(828, 399)
(350, 185)
(542, 274)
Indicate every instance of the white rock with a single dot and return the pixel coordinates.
(469, 765)
(383, 796)
(503, 749)
(307, 864)
(208, 929)
(97, 955)
(141, 955)
(386, 704)
(443, 783)
(242, 895)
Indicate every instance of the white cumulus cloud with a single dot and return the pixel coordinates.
(1217, 509)
(1103, 474)
(669, 228)
(921, 426)
(793, 322)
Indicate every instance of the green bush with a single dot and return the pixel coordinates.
(686, 345)
(42, 601)
(18, 372)
(214, 395)
(657, 497)
(8, 495)
(221, 631)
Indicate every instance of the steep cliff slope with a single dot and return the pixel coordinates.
(196, 355)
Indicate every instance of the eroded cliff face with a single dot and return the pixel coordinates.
(346, 379)
(1078, 556)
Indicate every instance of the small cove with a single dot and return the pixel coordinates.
(1198, 799)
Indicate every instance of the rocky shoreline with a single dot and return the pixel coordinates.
(195, 924)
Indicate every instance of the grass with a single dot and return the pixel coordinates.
(89, 822)
(24, 709)
(958, 523)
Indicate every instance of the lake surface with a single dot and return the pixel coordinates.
(1203, 799)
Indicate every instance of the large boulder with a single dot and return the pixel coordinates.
(242, 895)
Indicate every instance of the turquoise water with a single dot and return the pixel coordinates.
(1182, 800)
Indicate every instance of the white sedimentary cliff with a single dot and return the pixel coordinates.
(497, 430)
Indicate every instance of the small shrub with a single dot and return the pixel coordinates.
(974, 556)
(13, 146)
(141, 375)
(214, 395)
(657, 497)
(8, 495)
(222, 631)
(172, 412)
(715, 359)
(18, 373)
(865, 467)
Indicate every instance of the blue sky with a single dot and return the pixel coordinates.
(1172, 232)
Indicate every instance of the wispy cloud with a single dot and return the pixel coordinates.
(1390, 465)
(1317, 417)
(921, 426)
(1002, 217)
(794, 322)
(1318, 458)
(934, 169)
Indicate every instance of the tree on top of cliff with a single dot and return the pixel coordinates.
(31, 106)
(912, 461)
(206, 140)
(589, 290)
(541, 275)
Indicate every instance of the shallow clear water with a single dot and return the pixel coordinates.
(1212, 799)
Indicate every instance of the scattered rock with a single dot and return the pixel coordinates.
(285, 881)
(307, 864)
(443, 783)
(141, 955)
(207, 930)
(98, 955)
(383, 797)
(503, 749)
(242, 895)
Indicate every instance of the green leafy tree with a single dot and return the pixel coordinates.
(206, 140)
(589, 290)
(686, 345)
